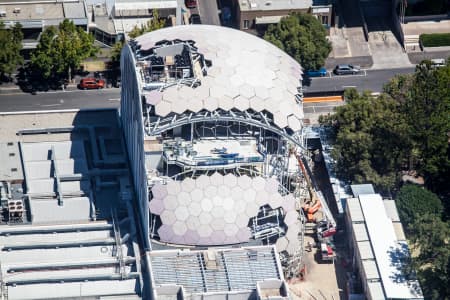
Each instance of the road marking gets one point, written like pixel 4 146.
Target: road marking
pixel 322 99
pixel 348 86
pixel 114 99
pixel 48 105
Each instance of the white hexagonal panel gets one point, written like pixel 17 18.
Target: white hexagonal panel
pixel 156 206
pixel 230 180
pixel 188 184
pixel 173 187
pixel 159 191
pixel 163 108
pixel 182 213
pixel 216 179
pixel 170 202
pixel 179 228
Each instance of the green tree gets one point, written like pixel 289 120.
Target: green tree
pixel 371 140
pixel 424 99
pixel 414 201
pixel 431 255
pixel 154 23
pixel 11 41
pixel 428 113
pixel 116 51
pixel 61 50
pixel 303 37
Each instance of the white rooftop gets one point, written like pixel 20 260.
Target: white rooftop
pixel 267 5
pixel 388 251
pixel 247 73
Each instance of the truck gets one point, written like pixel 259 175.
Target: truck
pixel 326 253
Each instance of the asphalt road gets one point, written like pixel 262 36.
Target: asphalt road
pixel 76 99
pixel 109 98
pixel 372 80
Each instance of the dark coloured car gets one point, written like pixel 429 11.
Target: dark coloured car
pixel 346 69
pixel 195 19
pixel 190 3
pixel 316 73
pixel 91 83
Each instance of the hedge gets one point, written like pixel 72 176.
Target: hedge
pixel 435 39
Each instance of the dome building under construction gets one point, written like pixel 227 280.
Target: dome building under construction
pixel 213 125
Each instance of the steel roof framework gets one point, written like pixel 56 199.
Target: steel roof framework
pixel 157 125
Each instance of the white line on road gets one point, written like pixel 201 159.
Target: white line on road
pixel 114 99
pixel 48 105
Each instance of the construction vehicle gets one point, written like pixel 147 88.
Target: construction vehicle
pixel 326 252
pixel 327 226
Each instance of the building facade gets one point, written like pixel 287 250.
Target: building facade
pixel 254 16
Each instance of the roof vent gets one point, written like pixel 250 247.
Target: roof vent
pixel 2 13
pixel 268 3
pixel 16 10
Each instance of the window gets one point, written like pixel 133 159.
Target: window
pixel 246 24
pixel 325 20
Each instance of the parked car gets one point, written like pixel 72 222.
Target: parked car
pixel 195 19
pixel 316 73
pixel 91 83
pixel 190 3
pixel 437 62
pixel 346 69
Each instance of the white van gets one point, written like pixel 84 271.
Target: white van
pixel 437 62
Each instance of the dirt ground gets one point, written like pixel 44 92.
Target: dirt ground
pixel 323 280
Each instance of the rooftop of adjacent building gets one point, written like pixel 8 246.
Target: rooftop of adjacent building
pixel 65 228
pixel 269 5
pixel 43 11
pixel 381 245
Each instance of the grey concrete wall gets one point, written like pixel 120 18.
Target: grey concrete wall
pixel 131 117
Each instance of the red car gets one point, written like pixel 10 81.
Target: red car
pixel 190 3
pixel 91 83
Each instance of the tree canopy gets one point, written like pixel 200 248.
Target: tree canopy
pixel 11 41
pixel 303 37
pixel 61 50
pixel 404 129
pixel 414 201
pixel 432 255
pixel 154 24
pixel 425 102
pixel 371 140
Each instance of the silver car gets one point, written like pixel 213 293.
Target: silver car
pixel 346 69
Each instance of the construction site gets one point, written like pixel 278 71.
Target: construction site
pixel 219 156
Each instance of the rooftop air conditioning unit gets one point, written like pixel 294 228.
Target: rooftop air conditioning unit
pixel 253 4
pixel 16 10
pixel 2 13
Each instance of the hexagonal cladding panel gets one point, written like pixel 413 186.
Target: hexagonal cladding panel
pixel 217 209
pixel 243 66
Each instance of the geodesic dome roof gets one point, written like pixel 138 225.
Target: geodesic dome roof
pixel 216 209
pixel 247 73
